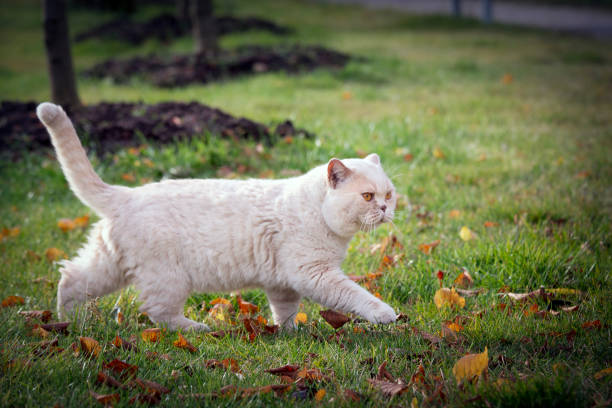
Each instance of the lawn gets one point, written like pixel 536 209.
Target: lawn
pixel 504 131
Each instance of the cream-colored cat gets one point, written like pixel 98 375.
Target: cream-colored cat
pixel 169 239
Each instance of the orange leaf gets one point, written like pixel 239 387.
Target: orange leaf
pixel 66 224
pixel 319 395
pixel 90 346
pixel 184 344
pixel 81 221
pixel 247 307
pixel 301 318
pixel 428 248
pixel 448 297
pixel 507 79
pixel 121 367
pixel 594 324
pixel 129 177
pixel 346 95
pixel 12 301
pixel 221 301
pixel 454 213
pixel 490 224
pixel 231 364
pixel 464 280
pixel 151 335
pixel 53 254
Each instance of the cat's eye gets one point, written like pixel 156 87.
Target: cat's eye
pixel 389 195
pixel 367 196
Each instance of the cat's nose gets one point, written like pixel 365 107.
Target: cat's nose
pixel 383 207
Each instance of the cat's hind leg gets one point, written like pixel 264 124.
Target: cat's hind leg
pixel 284 304
pixel 92 273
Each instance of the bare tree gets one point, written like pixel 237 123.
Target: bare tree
pixel 203 26
pixel 59 59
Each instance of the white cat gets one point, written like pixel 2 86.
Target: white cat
pixel 169 239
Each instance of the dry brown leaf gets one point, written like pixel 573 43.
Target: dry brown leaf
pixel 247 308
pixel 230 363
pixel 389 388
pixel 182 342
pixel 38 331
pixel 352 395
pixel 335 319
pixel 109 380
pixel 471 366
pixel 124 344
pixel 288 370
pixel 152 335
pixel 42 315
pixel 594 324
pixel 470 292
pixel 90 347
pixel 105 399
pixel 13 301
pixel 150 387
pixel 383 374
pixel 603 373
pixel 60 327
pixel 121 367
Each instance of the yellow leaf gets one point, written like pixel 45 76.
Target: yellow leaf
pixel 39 332
pixel 301 318
pixel 466 234
pixel 601 374
pixel 448 297
pixel 470 366
pixel 414 403
pixel 90 346
pixel 437 153
pixel 564 292
pixel 151 335
pixel 320 394
pixel 66 224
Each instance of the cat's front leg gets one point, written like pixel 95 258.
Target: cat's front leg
pixel 284 303
pixel 333 289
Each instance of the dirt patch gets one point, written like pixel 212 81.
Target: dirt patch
pixel 187 69
pixel 165 27
pixel 106 127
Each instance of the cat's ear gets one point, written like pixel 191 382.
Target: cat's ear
pixel 337 172
pixel 373 157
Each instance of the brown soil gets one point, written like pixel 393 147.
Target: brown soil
pixel 106 127
pixel 187 69
pixel 166 27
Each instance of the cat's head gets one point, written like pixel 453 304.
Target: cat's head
pixel 359 195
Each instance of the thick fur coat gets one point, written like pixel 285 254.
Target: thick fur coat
pixel 169 239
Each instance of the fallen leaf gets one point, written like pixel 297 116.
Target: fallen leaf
pixel 13 301
pixel 490 224
pixel 383 373
pixel 129 177
pixel 454 213
pixel 602 373
pixel 288 370
pixel 121 367
pixel 470 292
pixel 60 327
pixel 151 387
pixel 346 95
pixel 90 347
pixel 9 232
pixel 34 257
pixel 352 395
pixel 470 366
pixel 38 331
pixel 319 395
pixel 53 254
pixel 42 315
pixel 152 335
pixel 109 380
pixel 182 342
pixel 389 388
pixel 247 308
pixel 564 292
pixel 437 153
pixel 81 221
pixel 222 311
pixel 230 363
pixel 507 79
pixel 464 280
pixel 594 324
pixel 448 297
pixel 149 399
pixel 335 319
pixel 301 318
pixel 466 234
pixel 66 224
pixel 105 399
pixel 123 344
pixel 428 248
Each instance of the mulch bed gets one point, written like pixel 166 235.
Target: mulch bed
pixel 167 26
pixel 106 127
pixel 182 70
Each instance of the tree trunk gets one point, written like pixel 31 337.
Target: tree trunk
pixel 202 22
pixel 59 59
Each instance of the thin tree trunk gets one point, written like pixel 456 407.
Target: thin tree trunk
pixel 59 59
pixel 204 33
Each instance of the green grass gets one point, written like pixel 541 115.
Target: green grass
pixel 522 154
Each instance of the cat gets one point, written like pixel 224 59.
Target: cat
pixel 171 238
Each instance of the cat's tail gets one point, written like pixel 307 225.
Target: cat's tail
pixel 82 178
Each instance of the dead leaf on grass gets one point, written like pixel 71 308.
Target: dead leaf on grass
pixel 389 388
pixel 152 335
pixel 471 366
pixel 42 315
pixel 448 297
pixel 464 280
pixel 335 319
pixel 182 342
pixel 121 368
pixel 427 249
pixel 90 347
pixel 109 380
pixel 105 399
pixel 13 300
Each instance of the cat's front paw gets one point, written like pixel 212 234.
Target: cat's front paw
pixel 382 313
